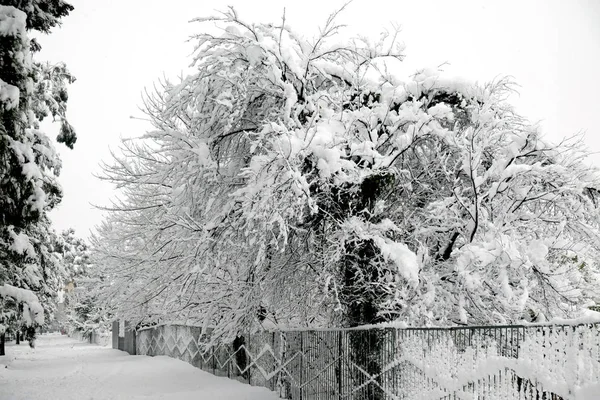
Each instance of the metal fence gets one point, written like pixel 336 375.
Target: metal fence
pixel 501 362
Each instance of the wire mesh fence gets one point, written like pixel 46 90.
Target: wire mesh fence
pixel 494 362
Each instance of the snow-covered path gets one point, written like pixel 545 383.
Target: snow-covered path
pixel 63 368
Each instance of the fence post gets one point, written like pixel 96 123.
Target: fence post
pixel 229 359
pixel 134 340
pixel 248 359
pixel 115 335
pixel 301 385
pixel 129 339
pixel 212 354
pixel 274 361
pixel 340 353
pixel 201 347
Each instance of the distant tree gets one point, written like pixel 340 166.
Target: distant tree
pixel 303 182
pixel 80 304
pixel 29 165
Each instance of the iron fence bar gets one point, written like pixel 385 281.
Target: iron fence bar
pixel 301 365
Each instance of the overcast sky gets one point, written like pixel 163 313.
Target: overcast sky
pixel 116 48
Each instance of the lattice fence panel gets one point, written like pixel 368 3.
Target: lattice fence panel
pixel 504 363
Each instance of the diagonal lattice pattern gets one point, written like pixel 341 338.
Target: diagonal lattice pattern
pixel 511 362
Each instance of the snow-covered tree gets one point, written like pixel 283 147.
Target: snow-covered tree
pixel 81 308
pixel 33 276
pixel 29 165
pixel 303 182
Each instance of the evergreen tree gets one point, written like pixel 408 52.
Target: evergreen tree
pixel 82 309
pixel 29 165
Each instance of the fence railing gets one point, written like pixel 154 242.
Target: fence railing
pixel 503 362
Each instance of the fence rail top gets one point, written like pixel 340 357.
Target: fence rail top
pixel 434 328
pixel 400 328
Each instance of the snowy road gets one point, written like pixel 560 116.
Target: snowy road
pixel 63 368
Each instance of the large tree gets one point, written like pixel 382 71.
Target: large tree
pixel 304 182
pixel 29 165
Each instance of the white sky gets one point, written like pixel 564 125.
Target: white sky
pixel 116 48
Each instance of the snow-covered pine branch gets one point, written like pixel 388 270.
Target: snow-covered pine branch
pixel 33 311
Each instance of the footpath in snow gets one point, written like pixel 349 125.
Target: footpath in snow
pixel 63 368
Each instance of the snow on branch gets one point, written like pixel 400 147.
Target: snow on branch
pixel 281 164
pixel 33 312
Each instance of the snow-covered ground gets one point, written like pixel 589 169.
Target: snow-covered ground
pixel 63 368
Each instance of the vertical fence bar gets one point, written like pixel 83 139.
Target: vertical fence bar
pixel 273 378
pixel 249 360
pixel 339 363
pixel 302 355
pixel 212 357
pixel 228 362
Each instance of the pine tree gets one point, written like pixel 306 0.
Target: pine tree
pixel 82 311
pixel 29 165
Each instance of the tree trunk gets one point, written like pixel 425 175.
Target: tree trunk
pixel 30 335
pixel 2 337
pixel 366 346
pixel 18 337
pixel 240 356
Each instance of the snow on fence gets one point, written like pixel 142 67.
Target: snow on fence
pixel 491 362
